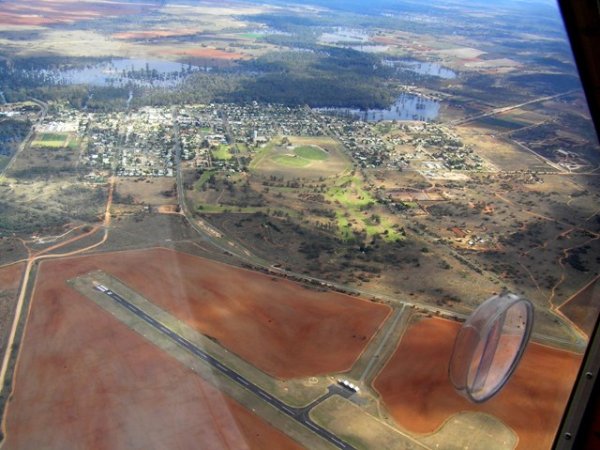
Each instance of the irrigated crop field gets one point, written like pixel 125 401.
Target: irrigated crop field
pixel 415 388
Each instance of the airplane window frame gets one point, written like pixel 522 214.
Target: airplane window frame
pixel 582 24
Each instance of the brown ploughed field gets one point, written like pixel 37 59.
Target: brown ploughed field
pixel 85 380
pixel 280 326
pixel 47 12
pixel 415 388
pixel 582 308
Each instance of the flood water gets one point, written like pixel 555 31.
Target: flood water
pixel 424 68
pixel 341 34
pixel 121 72
pixel 370 48
pixel 406 107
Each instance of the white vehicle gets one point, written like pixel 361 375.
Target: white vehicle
pixel 350 386
pixel 101 288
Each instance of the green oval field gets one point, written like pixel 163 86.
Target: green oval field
pixel 301 156
pixel 291 161
pixel 311 152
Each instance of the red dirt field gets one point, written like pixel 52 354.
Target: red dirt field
pixel 48 12
pixel 85 380
pixel 208 53
pixel 582 308
pixel 281 327
pixel 168 209
pixel 415 388
pixel 10 276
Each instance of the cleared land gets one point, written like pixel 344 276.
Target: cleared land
pixel 149 191
pixel 504 155
pixel 582 308
pixel 85 377
pixel 279 326
pixel 415 388
pixel 58 152
pixel 364 430
pixel 360 429
pixel 10 279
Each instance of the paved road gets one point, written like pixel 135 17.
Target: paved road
pixel 298 414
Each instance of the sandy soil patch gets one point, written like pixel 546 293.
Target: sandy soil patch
pixel 169 209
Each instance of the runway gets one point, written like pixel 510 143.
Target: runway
pixel 299 414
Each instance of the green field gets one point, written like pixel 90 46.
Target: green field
pixel 311 152
pixel 251 35
pixel 309 157
pixel 291 161
pixel 302 156
pixel 349 192
pixel 52 136
pixel 223 152
pixel 50 140
pixel 355 205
